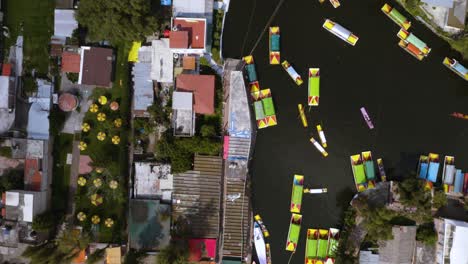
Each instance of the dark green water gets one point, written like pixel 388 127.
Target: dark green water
pixel 408 100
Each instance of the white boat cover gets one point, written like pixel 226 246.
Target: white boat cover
pixel 259 244
pixel 341 31
pixel 449 174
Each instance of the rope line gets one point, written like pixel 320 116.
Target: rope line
pixel 248 26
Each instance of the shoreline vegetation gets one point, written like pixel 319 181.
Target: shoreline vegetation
pixel 458 42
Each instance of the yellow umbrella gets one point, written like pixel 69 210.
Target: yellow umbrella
pixel 97 183
pixel 114 106
pixel 99 170
pixel 95 219
pixel 101 117
pixel 81 216
pixel 96 199
pixel 93 108
pixel 116 140
pixel 101 136
pixel 109 222
pixel 81 181
pixel 118 122
pixel 113 184
pixel 102 100
pixel 82 146
pixel 85 127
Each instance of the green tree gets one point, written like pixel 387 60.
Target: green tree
pixel 378 224
pixel 72 77
pixel 439 200
pixel 71 242
pixel 426 233
pixel 116 20
pixel 12 179
pixel 208 131
pixel 175 253
pixel 44 221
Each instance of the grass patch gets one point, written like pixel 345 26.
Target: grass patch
pixel 217 28
pixel 63 144
pixel 5 152
pixel 37 21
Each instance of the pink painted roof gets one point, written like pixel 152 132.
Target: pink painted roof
pixel 85 168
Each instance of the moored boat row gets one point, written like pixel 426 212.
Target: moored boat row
pixel 321 245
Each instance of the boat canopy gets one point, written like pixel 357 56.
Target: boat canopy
pixel 433 171
pixel 460 68
pixel 449 174
pixel 275 42
pixel 398 16
pixel 252 74
pixel 341 31
pixel 416 41
pixel 359 173
pixel 259 114
pixel 292 72
pixel 370 170
pixel 311 245
pixel 423 170
pixel 322 244
pixel 268 107
pixel 458 185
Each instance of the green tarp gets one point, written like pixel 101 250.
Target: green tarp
pixel 312 248
pixel 332 247
pixel 314 83
pixel 398 16
pixel 359 174
pixel 268 106
pixel 322 248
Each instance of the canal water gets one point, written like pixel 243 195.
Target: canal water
pixel 409 102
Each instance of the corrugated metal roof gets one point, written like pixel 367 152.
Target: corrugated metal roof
pixel 401 248
pixel 143 94
pixel 197 196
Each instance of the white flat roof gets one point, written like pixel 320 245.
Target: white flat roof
pixel 12 198
pixel 459 252
pixel 189 6
pixel 152 179
pixel 182 101
pixel 162 61
pixel 28 207
pixel 4 86
pixel 64 22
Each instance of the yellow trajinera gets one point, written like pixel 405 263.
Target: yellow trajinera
pixel 118 122
pixel 93 108
pixel 109 222
pixel 101 136
pixel 101 117
pixel 81 181
pixel 81 216
pixel 85 127
pixel 116 140
pixel 113 184
pixel 96 199
pixel 82 146
pixel 95 219
pixel 97 182
pixel 99 170
pixel 102 100
pixel 114 106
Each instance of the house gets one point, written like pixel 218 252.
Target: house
pixel 400 249
pixel 153 181
pixel 452 241
pixel 38 116
pixel 202 87
pixel 64 23
pixel 23 206
pixel 96 66
pixel 71 62
pixel 143 92
pixel 188 35
pixel 450 15
pixel 149 225
pixel 183 116
pixel 368 257
pixel 162 61
pixel 7 92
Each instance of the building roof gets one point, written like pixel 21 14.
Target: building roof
pixel 71 62
pixel 113 255
pixel 143 93
pixel 4 88
pixel 183 116
pixel 455 239
pixel 96 66
pixel 38 116
pixel 457 15
pixel 189 62
pixel 162 63
pixel 67 102
pixel 24 205
pixel 196 30
pixel 368 257
pixel 85 166
pixel 196 197
pixel 153 180
pixel 199 245
pixel 179 39
pixel 239 119
pixel 202 87
pixel 441 3
pixel 64 22
pixel 6 69
pixel 149 224
pixel 182 100
pixel 190 7
pixel 32 175
pixel 400 249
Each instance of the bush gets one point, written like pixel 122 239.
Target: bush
pixel 44 221
pixel 72 77
pixel 427 234
pixel 208 131
pixel 439 200
pixel 11 180
pixel 5 152
pixel 29 84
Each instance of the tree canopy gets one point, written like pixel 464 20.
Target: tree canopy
pixel 116 20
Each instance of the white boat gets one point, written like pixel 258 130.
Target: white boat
pixel 259 242
pixel 316 191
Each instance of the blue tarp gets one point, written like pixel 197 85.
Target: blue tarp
pixel 166 2
pixel 275 42
pixel 423 171
pixel 370 171
pixel 433 171
pixel 460 68
pixel 458 186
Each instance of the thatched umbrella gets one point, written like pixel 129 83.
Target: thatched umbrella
pixel 99 170
pixel 95 219
pixel 114 106
pixel 101 117
pixel 97 182
pixel 102 100
pixel 85 127
pixel 96 199
pixel 93 108
pixel 118 122
pixel 109 222
pixel 82 146
pixel 81 216
pixel 101 136
pixel 113 184
pixel 81 181
pixel 115 140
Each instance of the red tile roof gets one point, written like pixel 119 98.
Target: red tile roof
pixel 67 102
pixel 202 87
pixel 32 175
pixel 6 69
pixel 178 40
pixel 71 62
pixel 196 29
